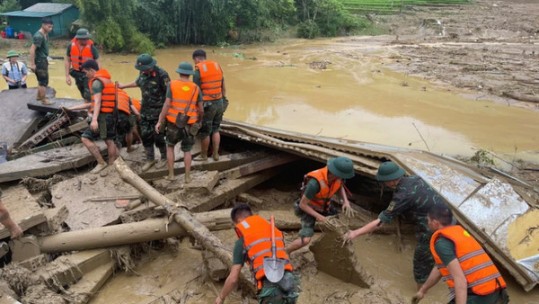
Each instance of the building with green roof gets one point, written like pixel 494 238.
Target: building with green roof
pixel 29 19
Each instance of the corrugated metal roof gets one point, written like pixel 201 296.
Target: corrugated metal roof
pixel 52 8
pixel 27 14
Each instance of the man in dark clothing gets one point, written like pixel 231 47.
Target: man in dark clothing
pixel 38 62
pixel 412 197
pixel 153 82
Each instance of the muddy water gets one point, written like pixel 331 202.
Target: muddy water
pixel 355 97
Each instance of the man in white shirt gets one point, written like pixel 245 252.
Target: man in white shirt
pixel 14 72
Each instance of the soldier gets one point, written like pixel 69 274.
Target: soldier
pixel 254 244
pixel 39 53
pixel 80 49
pixel 411 196
pixel 209 77
pixel 153 82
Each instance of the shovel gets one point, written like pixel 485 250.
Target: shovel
pixel 273 267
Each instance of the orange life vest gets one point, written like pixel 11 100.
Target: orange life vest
pixel 320 202
pixel 80 54
pixel 211 80
pixel 136 103
pixel 256 233
pixel 482 276
pixel 183 93
pixel 108 95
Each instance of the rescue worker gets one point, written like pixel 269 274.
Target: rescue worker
pixel 14 72
pixel 153 82
pixel 253 245
pixel 80 49
pixel 460 260
pixel 110 114
pixel 182 108
pixel 318 188
pixel 38 62
pixel 209 77
pixel 411 196
pixel 7 221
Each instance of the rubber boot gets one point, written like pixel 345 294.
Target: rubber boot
pixel 215 153
pixel 150 159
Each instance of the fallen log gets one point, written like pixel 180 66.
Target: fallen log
pixel 521 97
pixel 183 217
pixel 131 233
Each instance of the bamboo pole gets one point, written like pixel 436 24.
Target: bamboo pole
pixel 183 217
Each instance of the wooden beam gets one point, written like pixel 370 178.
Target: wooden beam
pixel 270 161
pixel 79 126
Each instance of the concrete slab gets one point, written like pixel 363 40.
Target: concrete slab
pixel 337 260
pixel 6 299
pixel 16 121
pixel 205 180
pixel 23 209
pixel 69 269
pixel 24 248
pixel 84 213
pixel 48 162
pixel 91 283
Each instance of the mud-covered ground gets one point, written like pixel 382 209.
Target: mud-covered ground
pixel 490 47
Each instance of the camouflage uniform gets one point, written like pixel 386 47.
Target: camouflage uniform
pixel 414 197
pixel 153 87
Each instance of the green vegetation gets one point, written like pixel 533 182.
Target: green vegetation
pixel 392 6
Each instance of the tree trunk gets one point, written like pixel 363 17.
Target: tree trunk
pixel 183 217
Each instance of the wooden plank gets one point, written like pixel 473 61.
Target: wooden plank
pixel 79 126
pixel 23 209
pixel 44 132
pixel 259 165
pixel 48 162
pixel 228 190
pixel 52 145
pixel 91 283
pixel 225 162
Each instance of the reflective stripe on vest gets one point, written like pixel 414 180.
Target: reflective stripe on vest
pixel 211 80
pixel 320 202
pixel 183 93
pixel 481 274
pixel 79 55
pixel 108 95
pixel 256 234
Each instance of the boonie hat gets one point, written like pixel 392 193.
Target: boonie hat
pixel 185 68
pixel 389 171
pixel 342 167
pixel 82 33
pixel 145 62
pixel 12 53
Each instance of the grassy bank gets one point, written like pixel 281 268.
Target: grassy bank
pixel 393 6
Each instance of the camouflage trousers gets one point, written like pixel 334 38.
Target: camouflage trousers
pixel 149 137
pixel 423 261
pixel 285 291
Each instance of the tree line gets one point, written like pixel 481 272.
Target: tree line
pixel 142 25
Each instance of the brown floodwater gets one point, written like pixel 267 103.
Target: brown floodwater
pixel 355 97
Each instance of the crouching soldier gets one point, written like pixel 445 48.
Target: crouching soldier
pixel 110 112
pixel 253 246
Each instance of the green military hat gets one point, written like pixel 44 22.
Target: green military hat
pixel 389 171
pixel 82 33
pixel 12 53
pixel 145 62
pixel 185 68
pixel 342 167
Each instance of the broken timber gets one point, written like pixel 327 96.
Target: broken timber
pixel 79 126
pixel 48 162
pixel 43 133
pixel 183 217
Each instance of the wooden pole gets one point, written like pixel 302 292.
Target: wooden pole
pixel 183 217
pixel 131 233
